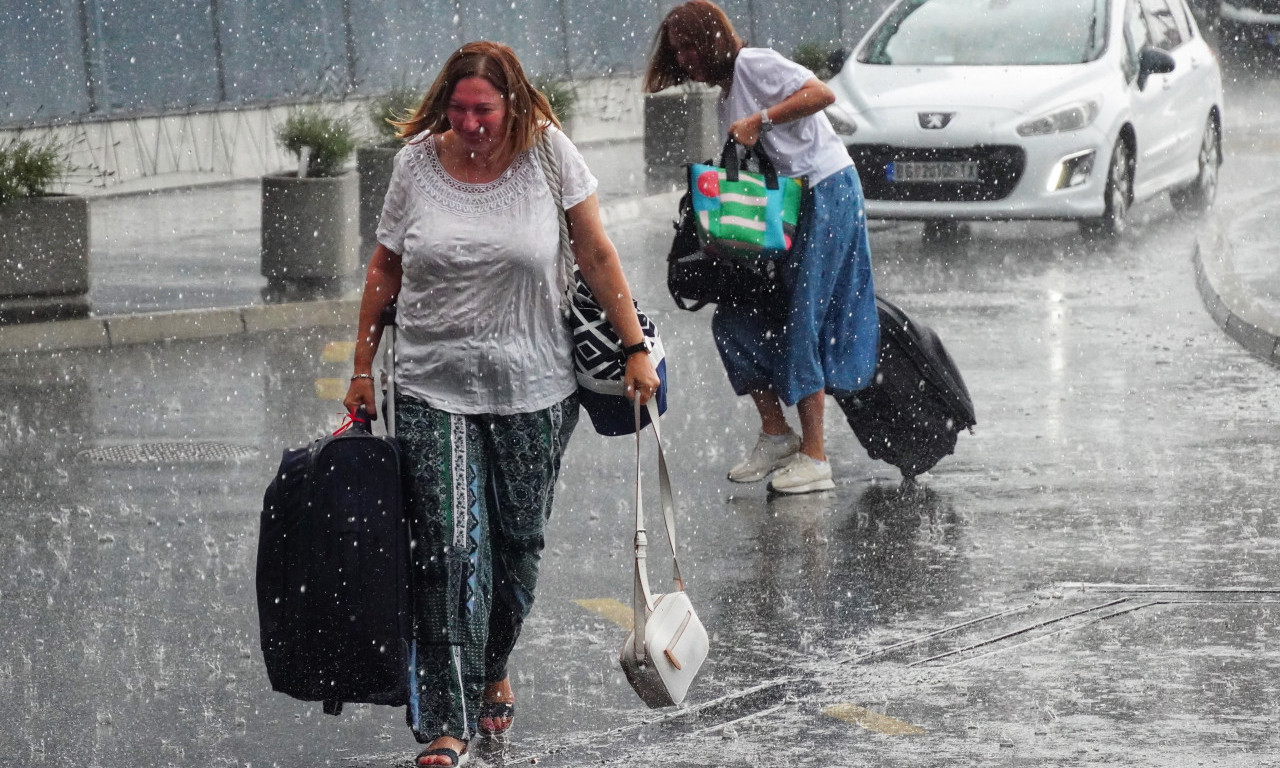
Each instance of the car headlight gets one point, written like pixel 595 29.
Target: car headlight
pixel 841 120
pixel 1069 118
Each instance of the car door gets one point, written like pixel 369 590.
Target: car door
pixel 1148 103
pixel 1168 100
pixel 1198 86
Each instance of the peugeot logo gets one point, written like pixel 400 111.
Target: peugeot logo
pixel 935 120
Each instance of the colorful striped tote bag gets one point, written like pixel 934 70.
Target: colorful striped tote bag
pixel 745 214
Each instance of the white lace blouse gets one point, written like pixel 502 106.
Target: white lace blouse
pixel 480 326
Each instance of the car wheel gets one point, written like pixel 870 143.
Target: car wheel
pixel 1198 196
pixel 1114 222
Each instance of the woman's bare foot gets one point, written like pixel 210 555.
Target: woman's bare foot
pixel 499 708
pixel 458 746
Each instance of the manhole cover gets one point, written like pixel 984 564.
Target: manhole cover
pixel 177 452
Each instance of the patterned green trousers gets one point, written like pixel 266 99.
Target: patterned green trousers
pixel 479 494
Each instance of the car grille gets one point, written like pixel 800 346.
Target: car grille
pixel 999 169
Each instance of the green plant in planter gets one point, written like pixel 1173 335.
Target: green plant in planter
pixel 815 57
pixel 562 95
pixel 329 136
pixel 31 168
pixel 397 103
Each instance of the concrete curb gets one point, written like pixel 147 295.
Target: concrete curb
pixel 177 325
pixel 195 324
pixel 1223 293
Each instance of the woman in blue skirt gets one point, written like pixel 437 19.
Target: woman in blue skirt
pixel 827 336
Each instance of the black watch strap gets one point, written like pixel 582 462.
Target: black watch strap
pixel 639 346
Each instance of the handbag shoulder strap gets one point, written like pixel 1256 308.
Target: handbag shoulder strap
pixel 551 170
pixel 641 595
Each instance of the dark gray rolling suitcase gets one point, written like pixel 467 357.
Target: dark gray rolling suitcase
pixel 917 403
pixel 333 574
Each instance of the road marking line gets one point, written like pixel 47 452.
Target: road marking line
pixel 610 609
pixel 872 721
pixel 331 389
pixel 338 352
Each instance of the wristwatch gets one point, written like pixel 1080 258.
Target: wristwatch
pixel 766 124
pixel 639 346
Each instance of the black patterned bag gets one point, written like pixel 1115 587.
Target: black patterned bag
pixel 598 362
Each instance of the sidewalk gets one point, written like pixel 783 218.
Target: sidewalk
pixel 1238 274
pixel 182 262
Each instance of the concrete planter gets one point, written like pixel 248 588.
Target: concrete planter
pixel 310 236
pixel 374 164
pixel 680 126
pixel 44 258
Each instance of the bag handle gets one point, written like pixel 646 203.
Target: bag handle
pixel 641 597
pixel 732 164
pixel 551 170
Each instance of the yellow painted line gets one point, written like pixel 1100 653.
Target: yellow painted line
pixel 331 389
pixel 338 351
pixel 872 721
pixel 610 609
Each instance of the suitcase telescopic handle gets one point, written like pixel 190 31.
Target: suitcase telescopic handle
pixel 389 368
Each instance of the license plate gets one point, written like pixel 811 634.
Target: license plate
pixel 936 171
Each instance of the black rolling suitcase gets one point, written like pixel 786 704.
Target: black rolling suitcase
pixel 333 574
pixel 917 403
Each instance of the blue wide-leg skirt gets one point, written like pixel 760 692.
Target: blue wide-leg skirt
pixel 828 337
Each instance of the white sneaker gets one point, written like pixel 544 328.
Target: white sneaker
pixel 802 474
pixel 770 453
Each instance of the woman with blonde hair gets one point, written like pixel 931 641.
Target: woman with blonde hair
pixel 826 337
pixel 469 252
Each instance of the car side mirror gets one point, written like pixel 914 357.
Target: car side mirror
pixel 1153 62
pixel 836 60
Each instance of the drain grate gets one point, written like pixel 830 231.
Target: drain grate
pixel 174 452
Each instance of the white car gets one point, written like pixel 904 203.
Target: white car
pixel 1031 109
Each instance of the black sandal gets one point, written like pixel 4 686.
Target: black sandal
pixel 455 759
pixel 497 710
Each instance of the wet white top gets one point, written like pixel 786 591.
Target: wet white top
pixel 480 325
pixel 763 78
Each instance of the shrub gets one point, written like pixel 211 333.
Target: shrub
pixel 562 95
pixel 818 58
pixel 398 103
pixel 30 168
pixel 329 136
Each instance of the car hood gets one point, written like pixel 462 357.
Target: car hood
pixel 869 89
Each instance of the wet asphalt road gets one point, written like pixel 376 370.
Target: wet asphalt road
pixel 1092 579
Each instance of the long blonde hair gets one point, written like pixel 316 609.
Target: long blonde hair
pixel 528 110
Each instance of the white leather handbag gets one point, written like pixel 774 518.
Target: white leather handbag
pixel 668 642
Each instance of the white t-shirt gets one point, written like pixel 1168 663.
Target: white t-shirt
pixel 763 78
pixel 480 324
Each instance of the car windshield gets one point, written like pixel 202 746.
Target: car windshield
pixel 989 33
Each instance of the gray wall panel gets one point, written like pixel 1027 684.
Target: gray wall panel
pixel 152 55
pixel 611 38
pixel 531 27
pixel 403 41
pixel 280 49
pixel 42 67
pixel 147 56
